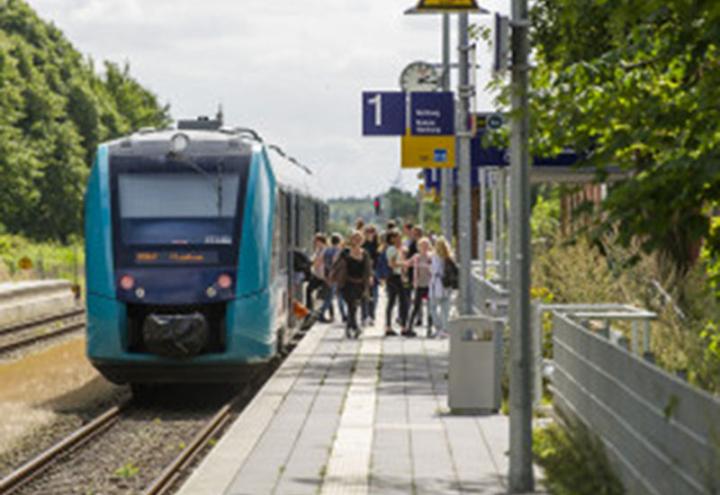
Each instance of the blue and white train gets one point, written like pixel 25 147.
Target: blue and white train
pixel 189 234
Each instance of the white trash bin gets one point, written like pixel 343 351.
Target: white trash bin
pixel 476 355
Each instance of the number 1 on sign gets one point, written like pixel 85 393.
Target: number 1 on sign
pixel 377 103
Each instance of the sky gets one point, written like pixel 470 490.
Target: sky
pixel 294 70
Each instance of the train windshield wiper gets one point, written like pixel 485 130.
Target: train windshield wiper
pixel 215 183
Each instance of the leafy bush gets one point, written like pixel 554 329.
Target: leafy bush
pixel 574 460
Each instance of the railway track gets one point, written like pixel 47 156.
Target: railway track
pixel 25 334
pixel 66 468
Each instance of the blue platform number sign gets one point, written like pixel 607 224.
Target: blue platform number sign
pixel 384 113
pixel 432 114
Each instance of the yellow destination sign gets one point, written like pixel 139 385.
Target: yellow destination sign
pixel 448 6
pixel 428 151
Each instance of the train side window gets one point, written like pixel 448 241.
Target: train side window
pixel 277 238
pixel 282 225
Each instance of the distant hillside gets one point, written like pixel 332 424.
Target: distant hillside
pixel 347 210
pixel 54 110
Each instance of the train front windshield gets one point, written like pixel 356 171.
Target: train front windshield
pixel 152 205
pixel 164 208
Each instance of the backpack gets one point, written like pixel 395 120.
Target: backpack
pixel 451 275
pixel 382 268
pixel 302 264
pixel 338 271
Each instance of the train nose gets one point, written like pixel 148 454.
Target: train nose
pixel 175 336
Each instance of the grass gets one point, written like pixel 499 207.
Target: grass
pixel 574 460
pixel 129 470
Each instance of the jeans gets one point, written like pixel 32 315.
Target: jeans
pixel 333 293
pixel 405 304
pixel 396 293
pixel 370 305
pixel 420 294
pixel 440 311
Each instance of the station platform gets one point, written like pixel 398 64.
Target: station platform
pixel 357 417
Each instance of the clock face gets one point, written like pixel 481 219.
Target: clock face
pixel 420 76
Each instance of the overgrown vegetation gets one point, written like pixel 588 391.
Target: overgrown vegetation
pixel 574 460
pixel 580 269
pixel 49 259
pixel 54 110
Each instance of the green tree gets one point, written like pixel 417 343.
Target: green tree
pixel 54 110
pixel 403 205
pixel 635 84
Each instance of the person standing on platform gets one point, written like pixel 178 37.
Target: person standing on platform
pixel 394 284
pixel 353 274
pixel 330 255
pixel 416 234
pixel 371 245
pixel 407 232
pixel 443 271
pixel 420 265
pixel 317 271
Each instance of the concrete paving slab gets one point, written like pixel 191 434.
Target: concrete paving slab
pixel 216 472
pixel 358 417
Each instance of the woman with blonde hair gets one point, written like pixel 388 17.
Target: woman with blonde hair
pixel 421 264
pixel 441 285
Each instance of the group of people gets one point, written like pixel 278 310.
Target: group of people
pixel 413 268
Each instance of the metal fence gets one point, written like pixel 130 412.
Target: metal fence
pixel 662 435
pixel 490 297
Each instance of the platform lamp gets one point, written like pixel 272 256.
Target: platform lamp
pixel 447 7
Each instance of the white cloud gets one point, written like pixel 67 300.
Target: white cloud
pixel 292 69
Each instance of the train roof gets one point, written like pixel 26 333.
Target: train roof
pixel 291 175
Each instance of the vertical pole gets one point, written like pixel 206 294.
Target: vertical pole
pixel 521 467
pixel 482 231
pixel 465 91
pixel 502 250
pixel 494 203
pixel 447 191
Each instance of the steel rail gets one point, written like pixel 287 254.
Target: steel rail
pixel 167 479
pixel 42 321
pixel 41 337
pixel 33 468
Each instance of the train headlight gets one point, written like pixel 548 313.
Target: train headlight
pixel 140 293
pixel 127 282
pixel 179 143
pixel 224 281
pixel 211 292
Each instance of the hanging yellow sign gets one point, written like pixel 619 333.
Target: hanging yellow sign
pixel 428 151
pixel 448 6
